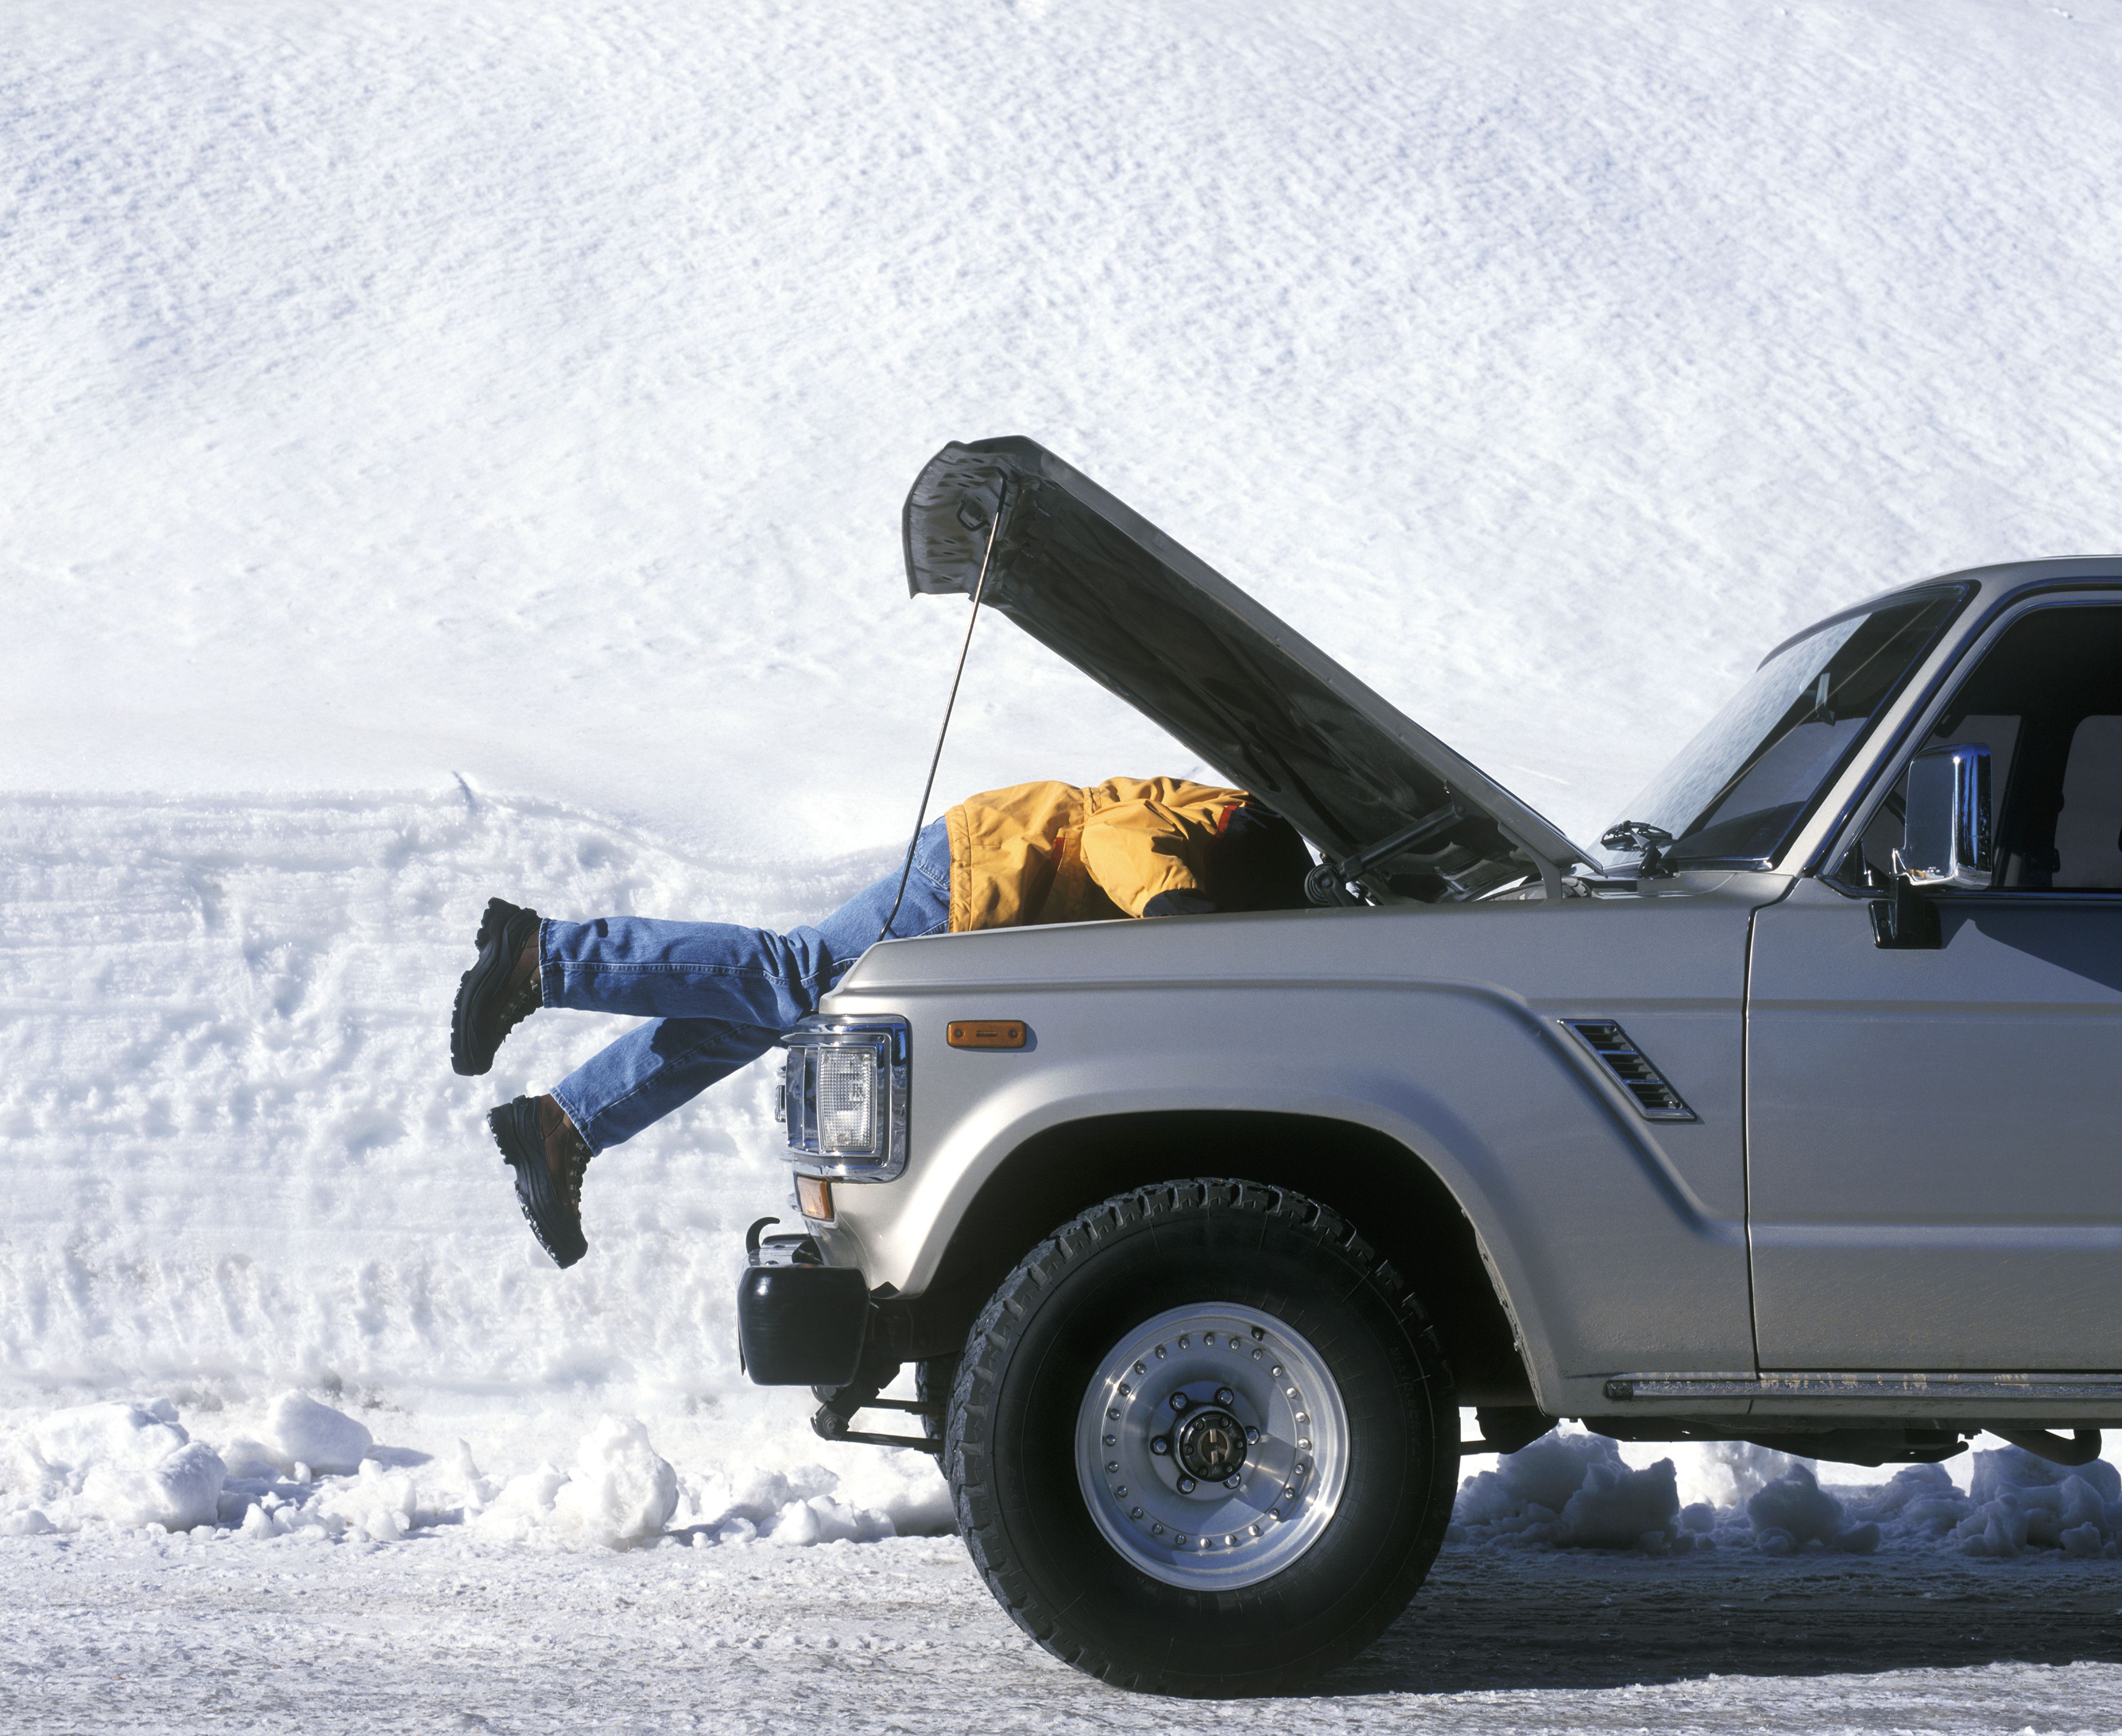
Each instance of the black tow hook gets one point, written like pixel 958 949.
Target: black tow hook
pixel 831 1420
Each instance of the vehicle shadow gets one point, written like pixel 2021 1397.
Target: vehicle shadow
pixel 1523 1620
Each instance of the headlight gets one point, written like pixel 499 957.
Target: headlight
pixel 844 1096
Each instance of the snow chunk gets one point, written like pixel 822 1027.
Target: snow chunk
pixel 1796 1505
pixel 1859 1539
pixel 807 1504
pixel 1572 1490
pixel 1545 1474
pixel 121 1463
pixel 1619 1508
pixel 822 1519
pixel 300 1431
pixel 2021 1502
pixel 2014 1471
pixel 1920 1503
pixel 620 1491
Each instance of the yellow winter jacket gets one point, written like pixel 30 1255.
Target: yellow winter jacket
pixel 1051 853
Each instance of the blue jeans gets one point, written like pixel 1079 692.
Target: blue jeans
pixel 716 995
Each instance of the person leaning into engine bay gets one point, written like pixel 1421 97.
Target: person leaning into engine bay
pixel 718 995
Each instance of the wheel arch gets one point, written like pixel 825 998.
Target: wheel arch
pixel 1394 1199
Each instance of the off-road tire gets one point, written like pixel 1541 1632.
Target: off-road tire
pixel 1030 1359
pixel 934 1381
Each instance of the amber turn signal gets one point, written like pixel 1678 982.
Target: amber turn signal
pixel 986 1033
pixel 814 1197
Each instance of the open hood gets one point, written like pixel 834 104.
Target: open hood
pixel 1100 584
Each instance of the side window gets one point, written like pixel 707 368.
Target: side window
pixel 2088 831
pixel 2046 698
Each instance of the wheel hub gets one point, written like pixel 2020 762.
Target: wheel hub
pixel 1212 1446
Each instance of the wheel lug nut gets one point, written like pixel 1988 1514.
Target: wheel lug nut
pixel 1185 1485
pixel 1224 1395
pixel 1252 1437
pixel 1160 1445
pixel 1179 1401
pixel 1231 1482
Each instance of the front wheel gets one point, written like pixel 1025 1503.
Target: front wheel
pixel 1202 1441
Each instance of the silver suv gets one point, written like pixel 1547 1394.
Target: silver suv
pixel 1791 1117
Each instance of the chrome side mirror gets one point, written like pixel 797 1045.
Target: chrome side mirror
pixel 1949 840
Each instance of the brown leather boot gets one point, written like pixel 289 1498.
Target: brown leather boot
pixel 549 1156
pixel 500 991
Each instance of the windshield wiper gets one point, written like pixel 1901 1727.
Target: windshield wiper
pixel 1642 836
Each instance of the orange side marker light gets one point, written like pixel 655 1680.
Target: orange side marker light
pixel 986 1033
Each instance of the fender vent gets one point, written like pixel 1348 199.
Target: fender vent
pixel 1631 1068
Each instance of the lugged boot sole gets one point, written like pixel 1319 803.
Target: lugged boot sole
pixel 554 1219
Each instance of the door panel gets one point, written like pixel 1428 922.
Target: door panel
pixel 1934 1156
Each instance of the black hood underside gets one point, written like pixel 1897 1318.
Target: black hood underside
pixel 1101 587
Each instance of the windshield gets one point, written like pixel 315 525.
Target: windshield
pixel 1737 791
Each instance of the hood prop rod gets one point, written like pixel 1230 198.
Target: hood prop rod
pixel 936 759
pixel 1332 878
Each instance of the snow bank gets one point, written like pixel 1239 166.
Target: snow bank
pixel 1574 1490
pixel 239 1159
pixel 129 1467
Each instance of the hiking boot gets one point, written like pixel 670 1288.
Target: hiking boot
pixel 539 1142
pixel 500 991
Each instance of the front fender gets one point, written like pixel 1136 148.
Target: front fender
pixel 1606 1237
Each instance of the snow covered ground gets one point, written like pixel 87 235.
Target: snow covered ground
pixel 456 448
pixel 172 1635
